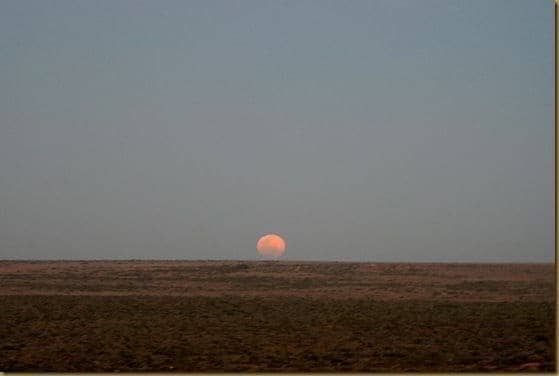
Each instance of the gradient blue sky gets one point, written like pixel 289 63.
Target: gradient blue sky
pixel 359 130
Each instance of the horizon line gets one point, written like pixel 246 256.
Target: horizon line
pixel 278 261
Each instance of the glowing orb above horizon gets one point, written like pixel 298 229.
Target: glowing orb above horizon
pixel 271 246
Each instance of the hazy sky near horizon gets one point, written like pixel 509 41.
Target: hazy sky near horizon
pixel 358 130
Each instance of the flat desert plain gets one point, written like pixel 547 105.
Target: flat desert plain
pixel 163 316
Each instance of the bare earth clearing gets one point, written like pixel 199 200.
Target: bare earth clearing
pixel 275 316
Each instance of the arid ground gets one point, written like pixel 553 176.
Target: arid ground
pixel 275 316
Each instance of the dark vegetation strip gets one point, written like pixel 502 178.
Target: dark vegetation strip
pixel 87 333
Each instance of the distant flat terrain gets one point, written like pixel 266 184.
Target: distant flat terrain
pixel 386 281
pixel 275 316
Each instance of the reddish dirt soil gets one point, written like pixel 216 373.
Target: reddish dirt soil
pixel 275 316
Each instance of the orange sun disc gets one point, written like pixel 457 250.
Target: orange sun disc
pixel 271 246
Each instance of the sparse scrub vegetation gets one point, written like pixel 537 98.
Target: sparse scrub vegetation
pixel 288 317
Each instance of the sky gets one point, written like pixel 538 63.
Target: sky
pixel 378 130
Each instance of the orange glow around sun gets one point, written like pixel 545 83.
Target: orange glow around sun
pixel 271 246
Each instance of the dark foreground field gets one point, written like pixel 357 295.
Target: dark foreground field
pixel 275 316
